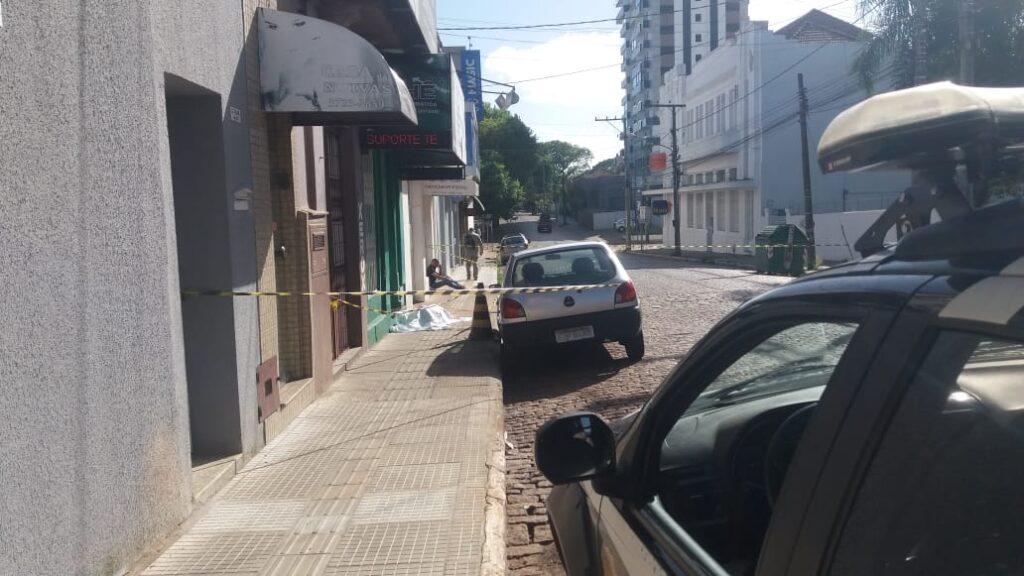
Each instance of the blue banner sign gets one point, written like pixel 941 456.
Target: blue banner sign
pixel 471 82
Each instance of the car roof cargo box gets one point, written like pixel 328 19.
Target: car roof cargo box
pixel 911 128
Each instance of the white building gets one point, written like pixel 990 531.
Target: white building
pixel 739 135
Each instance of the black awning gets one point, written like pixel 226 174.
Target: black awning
pixel 324 74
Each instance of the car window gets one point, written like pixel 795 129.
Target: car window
pixel 944 492
pixel 723 463
pixel 799 357
pixel 564 268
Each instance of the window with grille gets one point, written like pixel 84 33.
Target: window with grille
pixel 734 210
pixel 734 98
pixel 720 211
pixel 720 113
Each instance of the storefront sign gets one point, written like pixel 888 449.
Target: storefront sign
pixel 469 72
pixel 440 108
pixel 460 188
pixel 407 139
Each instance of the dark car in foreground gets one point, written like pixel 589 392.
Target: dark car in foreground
pixel 866 419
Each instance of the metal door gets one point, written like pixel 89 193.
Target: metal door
pixel 336 237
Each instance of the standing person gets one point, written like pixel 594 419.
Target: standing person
pixel 472 249
pixel 437 278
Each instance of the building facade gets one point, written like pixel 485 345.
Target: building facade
pixel 204 146
pixel 739 135
pixel 648 51
pixel 126 179
pixel 659 36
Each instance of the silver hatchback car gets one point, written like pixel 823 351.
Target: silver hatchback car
pixel 511 244
pixel 610 313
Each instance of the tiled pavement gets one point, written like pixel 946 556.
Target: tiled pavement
pixel 397 469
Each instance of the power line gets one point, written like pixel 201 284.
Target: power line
pixel 789 68
pixel 595 21
pixel 692 46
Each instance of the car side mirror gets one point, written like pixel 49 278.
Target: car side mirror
pixel 575 447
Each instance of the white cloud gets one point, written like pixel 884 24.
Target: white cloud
pixel 564 108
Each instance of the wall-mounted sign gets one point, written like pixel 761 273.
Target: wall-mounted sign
pixel 657 161
pixel 469 73
pixel 428 140
pixel 440 108
pixel 445 187
pixel 661 207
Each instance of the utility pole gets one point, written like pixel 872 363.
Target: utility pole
pixel 812 257
pixel 677 251
pixel 967 42
pixel 625 162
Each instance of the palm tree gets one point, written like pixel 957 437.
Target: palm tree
pixel 900 28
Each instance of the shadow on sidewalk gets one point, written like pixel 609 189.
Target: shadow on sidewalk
pixel 466 358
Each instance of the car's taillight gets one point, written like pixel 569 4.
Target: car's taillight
pixel 511 309
pixel 626 292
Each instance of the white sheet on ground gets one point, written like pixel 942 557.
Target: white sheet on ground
pixel 425 318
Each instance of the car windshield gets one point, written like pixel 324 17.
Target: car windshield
pixel 569 267
pixel 801 357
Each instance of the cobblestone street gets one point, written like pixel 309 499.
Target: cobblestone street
pixel 681 301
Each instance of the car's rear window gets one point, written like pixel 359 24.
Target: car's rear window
pixel 513 240
pixel 564 268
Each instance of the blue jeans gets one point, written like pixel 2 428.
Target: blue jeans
pixel 445 283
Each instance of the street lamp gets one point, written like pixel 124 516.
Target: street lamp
pixel 675 176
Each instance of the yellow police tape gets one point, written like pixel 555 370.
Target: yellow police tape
pixel 444 292
pixel 772 246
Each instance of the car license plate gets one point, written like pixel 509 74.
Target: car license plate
pixel 574 334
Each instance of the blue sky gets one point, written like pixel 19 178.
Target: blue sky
pixel 564 108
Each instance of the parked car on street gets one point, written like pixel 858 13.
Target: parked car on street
pixel 620 225
pixel 609 313
pixel 510 245
pixel 544 223
pixel 867 419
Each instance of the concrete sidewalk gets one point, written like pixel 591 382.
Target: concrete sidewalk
pixel 397 469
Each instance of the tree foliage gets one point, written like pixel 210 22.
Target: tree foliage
pixel 506 134
pixel 567 161
pixel 500 192
pixel 520 171
pixel 999 31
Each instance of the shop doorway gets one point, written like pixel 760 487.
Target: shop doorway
pixel 344 194
pixel 195 135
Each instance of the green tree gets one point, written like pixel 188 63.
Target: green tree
pixel 507 135
pixel 500 192
pixel 999 30
pixel 566 161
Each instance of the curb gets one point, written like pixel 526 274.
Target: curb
pixel 493 562
pixel 493 554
